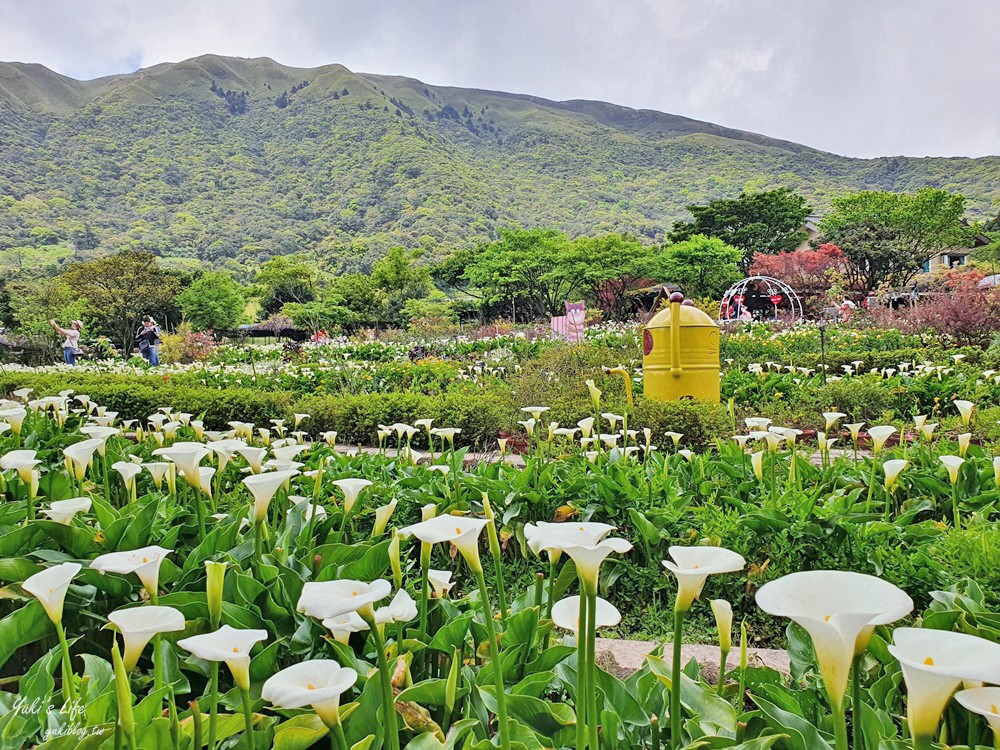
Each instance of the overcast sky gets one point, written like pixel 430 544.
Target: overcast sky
pixel 856 77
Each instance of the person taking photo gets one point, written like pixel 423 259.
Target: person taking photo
pixel 71 346
pixel 148 339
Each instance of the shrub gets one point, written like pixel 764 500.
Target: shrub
pixel 700 423
pixel 186 345
pixel 138 396
pixel 480 416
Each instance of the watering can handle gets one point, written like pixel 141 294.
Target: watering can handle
pixel 675 334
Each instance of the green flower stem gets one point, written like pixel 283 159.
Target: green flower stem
pixel 338 732
pixel 856 667
pixel 213 706
pixel 539 592
pixel 425 564
pixel 954 505
pixel 311 528
pixel 491 633
pixel 68 686
pixel 582 673
pixel 248 718
pixel 157 664
pixel 30 502
pixel 675 681
pixel 593 717
pixel 840 726
pixel 107 483
pixel 258 540
pixel 388 700
pixel 553 563
pixel 199 512
pixel 871 487
pixel 720 689
pixel 494 541
pixel 196 720
pixel 654 730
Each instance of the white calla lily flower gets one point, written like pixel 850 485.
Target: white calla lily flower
pixel 144 562
pixel 839 610
pixel 329 599
pixel 693 565
pixel 952 464
pixel 566 614
pixel 461 531
pixel 892 470
pixel 138 625
pixel 440 581
pixel 263 488
pixel 229 645
pixel 318 683
pixel 402 608
pixel 352 488
pixel 934 663
pixel 49 586
pixel 879 435
pixel 63 511
pixel 965 410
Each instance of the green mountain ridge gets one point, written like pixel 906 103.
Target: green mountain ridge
pixel 228 161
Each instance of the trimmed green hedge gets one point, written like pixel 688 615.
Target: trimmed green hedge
pixel 481 416
pixel 136 397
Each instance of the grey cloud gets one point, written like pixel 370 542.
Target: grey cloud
pixel 858 77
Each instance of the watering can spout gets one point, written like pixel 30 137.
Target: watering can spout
pixel 626 376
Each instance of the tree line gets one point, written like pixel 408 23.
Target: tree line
pixel 524 274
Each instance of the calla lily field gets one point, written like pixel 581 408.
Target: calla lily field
pixel 177 577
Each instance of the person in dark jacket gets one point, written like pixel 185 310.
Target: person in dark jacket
pixel 148 339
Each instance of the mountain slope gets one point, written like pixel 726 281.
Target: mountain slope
pixel 228 161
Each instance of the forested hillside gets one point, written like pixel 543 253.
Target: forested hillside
pixel 226 162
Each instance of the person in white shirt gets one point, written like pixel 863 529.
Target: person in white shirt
pixel 71 346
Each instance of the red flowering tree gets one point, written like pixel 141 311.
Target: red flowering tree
pixel 805 271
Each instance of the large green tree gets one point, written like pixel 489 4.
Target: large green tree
pixel 613 266
pixel 284 279
pixel 887 237
pixel 397 278
pixel 534 270
pixel 214 302
pixel 701 266
pixel 120 289
pixel 765 222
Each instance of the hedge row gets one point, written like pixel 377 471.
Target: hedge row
pixel 480 416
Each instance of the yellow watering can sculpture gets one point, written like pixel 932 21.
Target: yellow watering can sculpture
pixel 680 348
